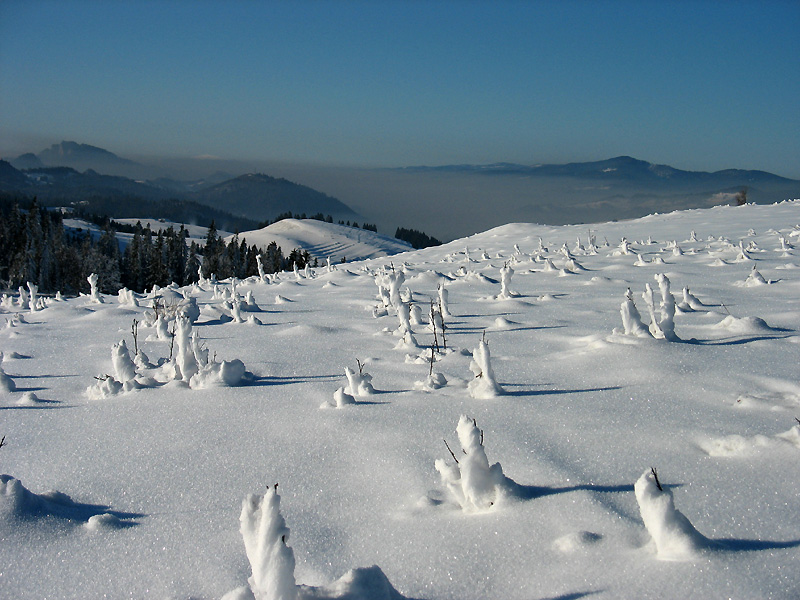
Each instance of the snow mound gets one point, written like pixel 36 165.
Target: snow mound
pixel 576 541
pixel 744 325
pixel 737 445
pixel 18 503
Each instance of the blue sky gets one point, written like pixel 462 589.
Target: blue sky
pixel 698 85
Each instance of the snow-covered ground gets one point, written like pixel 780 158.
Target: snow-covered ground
pixel 159 489
pixel 325 240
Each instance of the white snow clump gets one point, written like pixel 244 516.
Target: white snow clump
pixel 674 536
pixel 484 385
pixel 474 484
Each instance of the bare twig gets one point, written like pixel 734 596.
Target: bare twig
pixel 135 332
pixel 655 476
pixel 798 420
pixel 441 314
pixel 430 372
pixel 433 324
pixel 3 441
pixel 451 452
pixel 172 341
pixel 360 367
pixel 103 377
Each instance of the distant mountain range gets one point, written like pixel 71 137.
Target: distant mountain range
pixel 70 172
pixel 485 196
pixel 449 201
pixel 623 169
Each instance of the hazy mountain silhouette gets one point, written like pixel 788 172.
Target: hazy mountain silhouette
pixel 260 196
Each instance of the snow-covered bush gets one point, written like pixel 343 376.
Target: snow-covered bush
pixel 23 301
pixel 444 307
pixel 340 399
pixel 272 561
pixel 94 293
pixel 185 362
pixel 127 297
pixel 690 302
pixel 674 536
pixel 506 273
pixel 667 322
pixel 631 319
pixel 265 536
pixel 124 368
pixel 755 279
pixel 473 483
pixel 358 384
pixel 433 381
pixel 484 385
pixel 661 326
pixel 105 387
pixel 34 297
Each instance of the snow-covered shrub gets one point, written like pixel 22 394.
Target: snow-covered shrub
pixel 631 319
pixel 404 317
pixel 358 384
pixel 624 248
pixel 755 279
pixel 124 368
pixel 667 322
pixel 188 308
pixel 690 302
pixel 484 385
pixel 674 536
pixel 236 311
pixel 127 297
pixel 23 301
pixel 395 279
pixel 272 561
pixel 662 326
pixel 228 373
pixel 340 399
pixel 506 273
pixel 473 483
pixel 185 362
pixel 444 307
pixel 265 535
pixel 105 387
pixel 433 381
pixel 34 297
pixel 261 274
pixel 94 293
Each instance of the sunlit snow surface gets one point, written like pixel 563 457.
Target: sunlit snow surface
pixel 150 483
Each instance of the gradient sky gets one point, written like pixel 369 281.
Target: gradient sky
pixel 697 85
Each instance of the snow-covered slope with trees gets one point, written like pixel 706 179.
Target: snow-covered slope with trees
pixel 325 240
pixel 570 439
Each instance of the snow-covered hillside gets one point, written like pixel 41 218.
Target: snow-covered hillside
pixel 516 466
pixel 197 233
pixel 325 240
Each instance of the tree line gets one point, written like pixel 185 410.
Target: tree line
pixel 35 246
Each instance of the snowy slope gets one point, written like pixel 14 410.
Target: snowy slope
pixel 156 477
pixel 323 240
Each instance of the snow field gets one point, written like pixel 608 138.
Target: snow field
pixel 586 411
